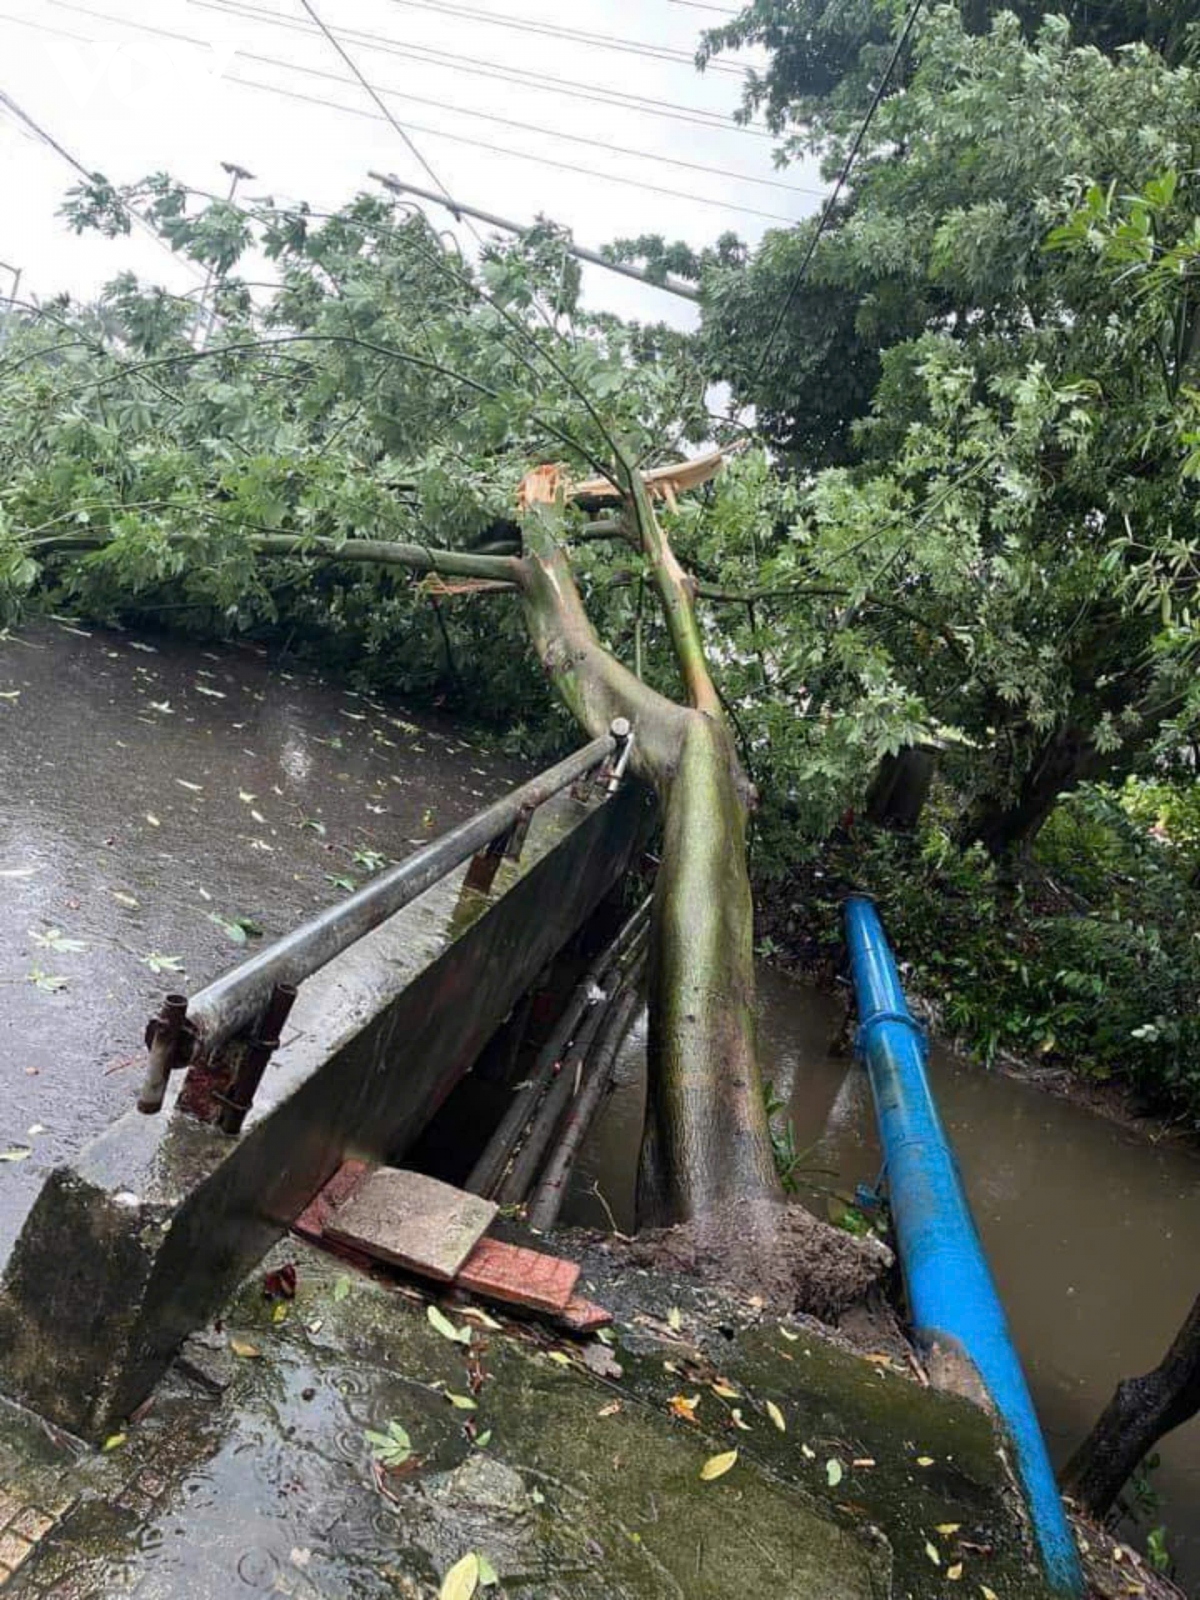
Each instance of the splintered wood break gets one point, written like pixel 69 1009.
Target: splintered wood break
pixel 412 1221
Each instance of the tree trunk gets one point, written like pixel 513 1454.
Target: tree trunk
pixel 1062 763
pixel 708 1122
pixel 1140 1412
pixel 900 788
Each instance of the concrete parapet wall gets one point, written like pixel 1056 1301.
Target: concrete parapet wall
pixel 141 1238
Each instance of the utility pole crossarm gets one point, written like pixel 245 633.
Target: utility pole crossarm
pixel 669 285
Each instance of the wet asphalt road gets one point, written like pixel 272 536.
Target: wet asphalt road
pixel 155 795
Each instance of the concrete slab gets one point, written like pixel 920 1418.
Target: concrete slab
pixel 412 1221
pixel 136 1242
pixel 519 1277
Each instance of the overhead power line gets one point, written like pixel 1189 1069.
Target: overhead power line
pixel 519 155
pixel 377 100
pixel 440 105
pixel 602 41
pixel 45 137
pixel 473 66
pixel 843 175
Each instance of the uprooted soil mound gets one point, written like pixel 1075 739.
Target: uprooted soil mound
pixel 778 1251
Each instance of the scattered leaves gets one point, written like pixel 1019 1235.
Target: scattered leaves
pixel 683 1407
pixel 124 899
pixel 461 1402
pixel 718 1466
pixel 55 939
pixel 924 1461
pixel 16 1152
pixel 440 1322
pixel 49 982
pixel 115 1441
pixel 931 1550
pixel 723 1389
pixel 461 1582
pixel 674 1319
pixel 833 1472
pixel 153 820
pixel 955 1572
pixel 483 1439
pixel 159 963
pixel 559 1357
pixel 243 1348
pixel 776 1416
pixel 947 1528
pixel 391 1448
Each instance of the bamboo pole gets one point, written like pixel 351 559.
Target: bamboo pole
pixel 542 1210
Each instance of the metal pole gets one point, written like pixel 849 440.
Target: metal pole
pixel 669 284
pixel 951 1294
pixel 236 999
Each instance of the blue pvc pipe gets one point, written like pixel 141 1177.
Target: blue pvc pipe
pixel 951 1294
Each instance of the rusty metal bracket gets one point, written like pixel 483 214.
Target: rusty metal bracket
pixel 249 1072
pixel 165 1034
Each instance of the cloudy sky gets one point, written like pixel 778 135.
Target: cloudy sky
pixel 590 114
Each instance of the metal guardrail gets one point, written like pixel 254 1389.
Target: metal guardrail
pixel 253 998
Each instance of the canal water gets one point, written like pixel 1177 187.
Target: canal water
pixel 164 808
pixel 1093 1232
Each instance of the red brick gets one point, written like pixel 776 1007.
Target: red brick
pixel 32 1524
pixel 13 1550
pixel 518 1276
pixel 582 1316
pixel 311 1221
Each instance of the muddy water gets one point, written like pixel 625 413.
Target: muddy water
pixel 151 794
pixel 1093 1233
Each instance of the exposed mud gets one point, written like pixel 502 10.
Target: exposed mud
pixel 781 1253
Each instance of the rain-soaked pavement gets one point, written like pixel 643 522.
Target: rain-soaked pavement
pixel 157 800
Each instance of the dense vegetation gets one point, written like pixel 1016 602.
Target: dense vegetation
pixel 968 522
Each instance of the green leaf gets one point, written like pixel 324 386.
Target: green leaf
pixel 442 1324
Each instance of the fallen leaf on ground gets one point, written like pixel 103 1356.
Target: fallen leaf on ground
pixel 609 1410
pixel 674 1320
pixel 341 1288
pixel 243 1348
pixel 559 1358
pixel 683 1407
pixel 833 1472
pixel 461 1402
pixel 955 1572
pixel 863 1461
pixel 924 1461
pixel 718 1466
pixel 115 1441
pixel 726 1393
pixel 947 1528
pixel 441 1323
pixel 461 1582
pixel 776 1416
pixel 931 1550
pixel 15 1153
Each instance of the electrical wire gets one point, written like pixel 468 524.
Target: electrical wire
pixel 843 175
pixel 603 41
pixel 48 139
pixel 472 66
pixel 388 117
pixel 439 105
pixel 520 155
pixel 543 82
